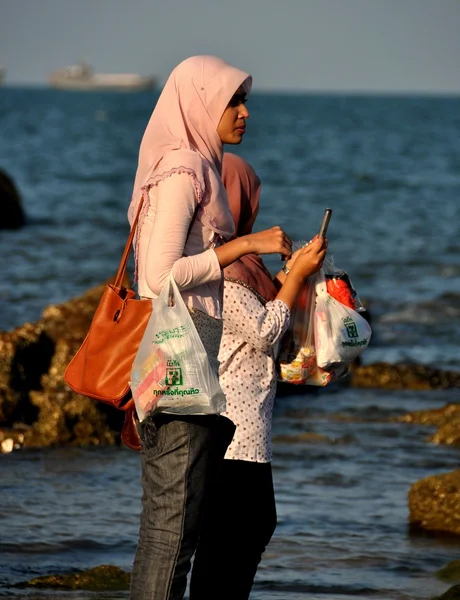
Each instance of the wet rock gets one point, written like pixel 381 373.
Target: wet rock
pixel 37 408
pixel 403 377
pixel 452 594
pixel 11 439
pixel 434 504
pixel 384 376
pixel 446 419
pixel 450 573
pixel 104 577
pixel 7 445
pixel 303 438
pixel 12 214
pixel 21 366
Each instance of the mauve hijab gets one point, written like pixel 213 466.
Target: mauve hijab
pixel 243 190
pixel 181 137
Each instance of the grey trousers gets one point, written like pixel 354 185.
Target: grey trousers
pixel 180 456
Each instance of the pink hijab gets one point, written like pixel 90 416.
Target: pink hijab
pixel 243 189
pixel 181 137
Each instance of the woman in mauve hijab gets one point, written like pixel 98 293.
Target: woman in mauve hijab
pixel 241 517
pixel 184 227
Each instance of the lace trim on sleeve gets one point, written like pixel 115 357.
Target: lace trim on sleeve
pixel 154 181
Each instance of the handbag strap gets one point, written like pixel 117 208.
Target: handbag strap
pixel 320 282
pixel 120 276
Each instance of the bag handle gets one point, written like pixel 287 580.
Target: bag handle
pixel 320 282
pixel 124 259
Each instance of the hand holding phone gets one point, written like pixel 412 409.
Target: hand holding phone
pixel 325 222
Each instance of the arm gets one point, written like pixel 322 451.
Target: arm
pixel 308 260
pixel 171 218
pixel 258 325
pixel 280 277
pixel 269 241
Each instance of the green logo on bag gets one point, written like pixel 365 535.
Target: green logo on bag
pixel 350 325
pixel 173 373
pixel 168 334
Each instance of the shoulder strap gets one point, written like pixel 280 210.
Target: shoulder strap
pixel 124 259
pixel 120 276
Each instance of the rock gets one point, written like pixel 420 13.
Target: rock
pixel 447 419
pixel 434 504
pixel 35 401
pixel 38 409
pixel 21 365
pixel 7 445
pixel 104 577
pixel 303 438
pixel 384 376
pixel 10 203
pixel 403 377
pixel 450 573
pixel 452 593
pixel 11 438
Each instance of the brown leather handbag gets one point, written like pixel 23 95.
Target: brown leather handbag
pixel 101 368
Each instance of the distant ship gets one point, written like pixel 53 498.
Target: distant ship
pixel 2 75
pixel 81 77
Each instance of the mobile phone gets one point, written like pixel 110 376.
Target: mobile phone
pixel 325 222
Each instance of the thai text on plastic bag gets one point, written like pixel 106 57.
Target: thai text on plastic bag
pixel 171 370
pixel 341 333
pixel 297 362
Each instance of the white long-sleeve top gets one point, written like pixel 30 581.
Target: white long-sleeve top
pixel 165 247
pixel 247 371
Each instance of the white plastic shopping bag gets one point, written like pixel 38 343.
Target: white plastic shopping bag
pixel 297 361
pixel 341 333
pixel 171 371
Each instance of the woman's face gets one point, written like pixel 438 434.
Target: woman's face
pixel 232 124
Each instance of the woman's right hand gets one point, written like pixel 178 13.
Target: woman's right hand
pixel 310 258
pixel 269 241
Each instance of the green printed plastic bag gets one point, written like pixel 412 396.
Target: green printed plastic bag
pixel 171 371
pixel 341 333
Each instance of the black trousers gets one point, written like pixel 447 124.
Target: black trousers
pixel 239 521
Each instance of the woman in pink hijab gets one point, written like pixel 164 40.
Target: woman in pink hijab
pixel 183 229
pixel 242 515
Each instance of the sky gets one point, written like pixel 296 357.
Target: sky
pixel 313 45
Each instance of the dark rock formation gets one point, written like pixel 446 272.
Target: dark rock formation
pixel 450 573
pixel 434 504
pixel 37 408
pixel 452 594
pixel 103 578
pixel 446 419
pixel 12 215
pixel 403 377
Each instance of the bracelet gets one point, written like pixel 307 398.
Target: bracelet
pixel 285 269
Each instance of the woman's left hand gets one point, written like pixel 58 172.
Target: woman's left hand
pixel 290 263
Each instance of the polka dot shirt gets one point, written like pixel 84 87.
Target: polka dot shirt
pixel 247 370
